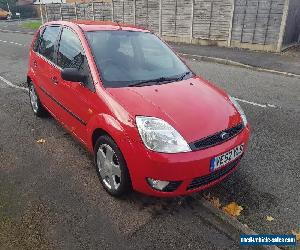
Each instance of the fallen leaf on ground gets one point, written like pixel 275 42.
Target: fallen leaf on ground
pixel 270 218
pixel 297 235
pixel 207 196
pixel 215 201
pixel 233 209
pixel 41 141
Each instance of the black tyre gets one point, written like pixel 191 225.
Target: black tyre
pixel 35 102
pixel 111 167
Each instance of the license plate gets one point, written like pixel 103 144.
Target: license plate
pixel 224 159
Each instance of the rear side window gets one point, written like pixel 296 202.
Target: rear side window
pixel 48 41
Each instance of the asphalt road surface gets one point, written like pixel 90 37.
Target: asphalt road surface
pixel 50 196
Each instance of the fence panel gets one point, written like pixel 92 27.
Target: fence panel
pixel 212 19
pixel 53 12
pixel 85 11
pixel 202 18
pixel 221 18
pixel 128 11
pixel 142 13
pixel 257 21
pixel 103 11
pixel 119 10
pixel 153 15
pixel 183 17
pixel 68 12
pixel 168 17
pixel 124 11
pixel 238 21
pixel 147 14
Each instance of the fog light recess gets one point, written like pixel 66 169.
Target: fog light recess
pixel 157 184
pixel 165 186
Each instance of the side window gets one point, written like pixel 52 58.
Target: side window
pixel 71 55
pixel 70 52
pixel 47 44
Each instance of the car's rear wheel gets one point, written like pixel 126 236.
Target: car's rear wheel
pixel 111 167
pixel 35 102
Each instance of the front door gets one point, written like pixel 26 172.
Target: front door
pixel 76 98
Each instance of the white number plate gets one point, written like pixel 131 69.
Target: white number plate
pixel 226 158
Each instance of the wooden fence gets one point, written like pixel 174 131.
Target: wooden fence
pixel 204 19
pixel 238 23
pixel 257 21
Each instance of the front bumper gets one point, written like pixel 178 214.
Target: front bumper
pixel 191 169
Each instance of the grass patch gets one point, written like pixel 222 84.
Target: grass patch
pixel 32 25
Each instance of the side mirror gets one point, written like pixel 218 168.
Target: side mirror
pixel 72 75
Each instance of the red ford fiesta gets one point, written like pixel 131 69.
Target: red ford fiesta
pixel 151 123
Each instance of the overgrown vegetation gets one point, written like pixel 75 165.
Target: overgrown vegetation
pixel 32 25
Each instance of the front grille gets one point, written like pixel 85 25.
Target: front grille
pixel 203 180
pixel 216 138
pixel 172 186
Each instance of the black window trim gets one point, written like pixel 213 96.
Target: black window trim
pixel 56 45
pixel 38 39
pixel 53 63
pixel 56 54
pixel 94 59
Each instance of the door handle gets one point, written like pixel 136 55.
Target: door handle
pixel 35 64
pixel 54 80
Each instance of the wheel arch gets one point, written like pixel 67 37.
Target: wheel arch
pixel 28 80
pixel 104 124
pixel 97 133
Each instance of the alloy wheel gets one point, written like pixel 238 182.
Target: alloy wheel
pixel 109 167
pixel 33 99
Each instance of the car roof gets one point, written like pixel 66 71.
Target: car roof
pixel 89 25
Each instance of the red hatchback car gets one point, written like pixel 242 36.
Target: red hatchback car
pixel 151 123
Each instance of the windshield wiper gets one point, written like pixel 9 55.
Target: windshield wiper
pixel 183 75
pixel 160 80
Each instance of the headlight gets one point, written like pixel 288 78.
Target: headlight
pixel 239 109
pixel 160 136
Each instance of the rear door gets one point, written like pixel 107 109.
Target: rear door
pixel 44 64
pixel 34 58
pixel 77 98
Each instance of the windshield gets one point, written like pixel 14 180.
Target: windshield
pixel 127 58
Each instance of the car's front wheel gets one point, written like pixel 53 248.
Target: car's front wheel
pixel 111 167
pixel 35 102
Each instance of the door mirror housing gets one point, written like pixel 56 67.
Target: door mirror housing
pixel 72 75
